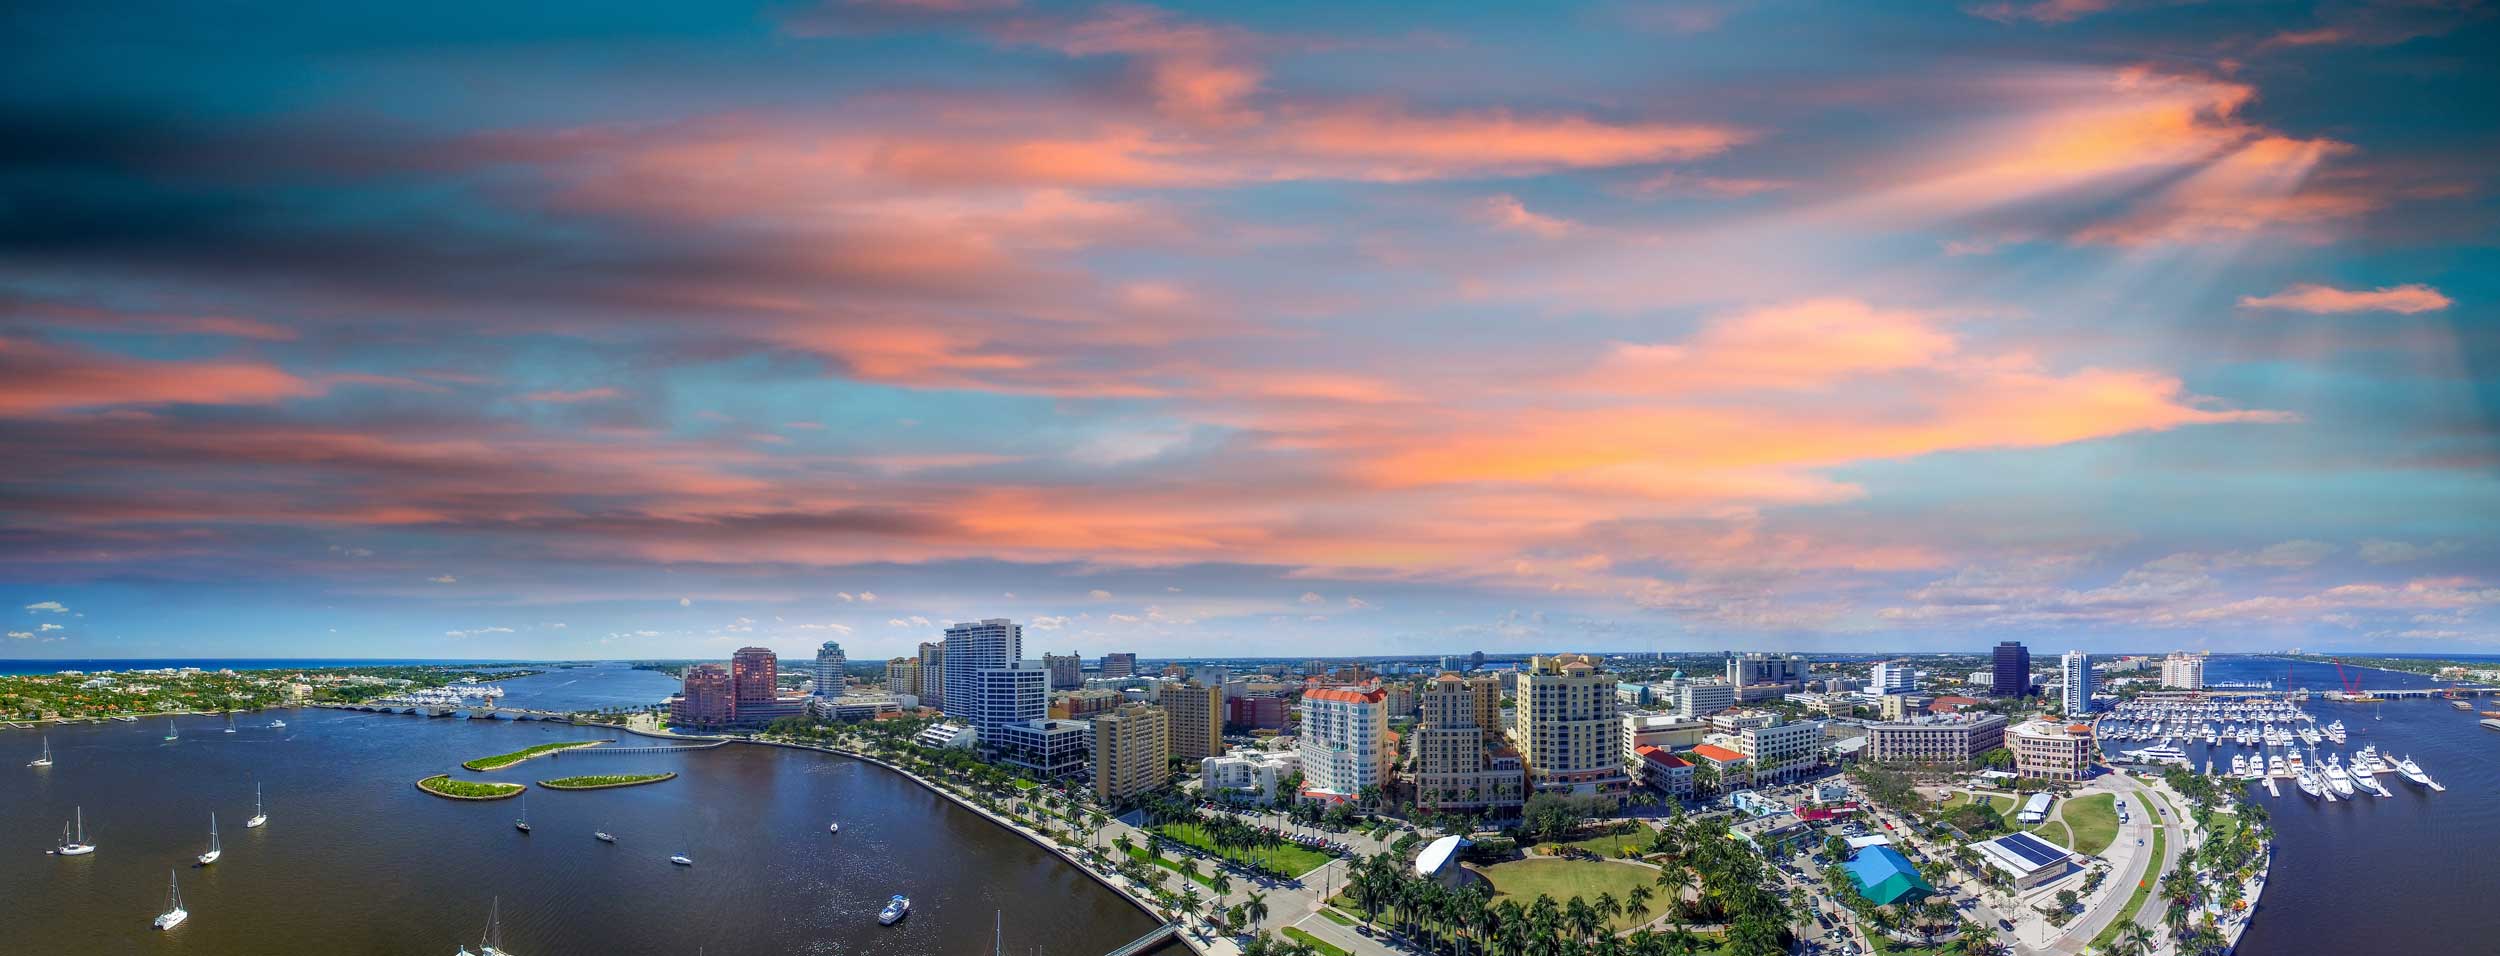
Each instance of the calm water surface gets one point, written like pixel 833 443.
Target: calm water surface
pixel 356 860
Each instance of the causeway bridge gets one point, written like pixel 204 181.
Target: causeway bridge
pixel 1154 937
pixel 467 713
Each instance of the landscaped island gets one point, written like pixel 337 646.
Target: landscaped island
pixel 443 785
pixel 500 761
pixel 604 781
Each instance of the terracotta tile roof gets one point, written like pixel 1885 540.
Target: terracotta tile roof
pixel 1345 696
pixel 1661 757
pixel 1718 753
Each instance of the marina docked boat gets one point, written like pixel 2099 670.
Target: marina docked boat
pixel 75 844
pixel 2159 754
pixel 259 816
pixel 2274 766
pixel 895 910
pixel 2309 784
pixel 2336 777
pixel 2413 771
pixel 174 913
pixel 2335 731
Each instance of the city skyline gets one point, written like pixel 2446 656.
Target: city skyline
pixel 1340 330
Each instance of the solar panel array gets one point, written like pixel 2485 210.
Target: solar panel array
pixel 2031 848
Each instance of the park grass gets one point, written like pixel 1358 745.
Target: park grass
pixel 1150 856
pixel 2055 832
pixel 500 761
pixel 1285 858
pixel 604 781
pixel 2143 889
pixel 2002 805
pixel 1316 944
pixel 444 785
pixel 2094 820
pixel 1336 917
pixel 1525 880
pixel 1612 845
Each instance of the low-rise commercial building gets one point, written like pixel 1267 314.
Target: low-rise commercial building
pixel 1052 748
pixel 1663 771
pixel 1940 740
pixel 1248 776
pixel 2049 750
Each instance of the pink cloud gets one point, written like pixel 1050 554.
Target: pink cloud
pixel 2409 298
pixel 1508 212
pixel 559 397
pixel 36 378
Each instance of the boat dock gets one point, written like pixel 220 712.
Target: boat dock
pixel 2271 789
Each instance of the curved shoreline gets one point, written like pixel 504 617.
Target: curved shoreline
pixel 528 754
pixel 551 785
pixel 517 790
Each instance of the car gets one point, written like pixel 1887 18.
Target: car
pixel 2006 925
pixel 2139 842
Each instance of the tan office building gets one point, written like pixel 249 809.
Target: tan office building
pixel 1566 729
pixel 1458 765
pixel 2049 750
pixel 1197 714
pixel 1132 752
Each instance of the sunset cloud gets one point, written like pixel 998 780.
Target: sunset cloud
pixel 2407 299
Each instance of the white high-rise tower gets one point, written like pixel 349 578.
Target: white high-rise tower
pixel 2076 668
pixel 829 664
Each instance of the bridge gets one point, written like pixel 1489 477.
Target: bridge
pixel 1153 938
pixel 468 713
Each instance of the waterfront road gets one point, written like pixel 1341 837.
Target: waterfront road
pixel 2129 863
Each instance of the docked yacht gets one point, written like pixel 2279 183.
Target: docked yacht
pixel 2239 765
pixel 2335 731
pixel 2413 771
pixel 2274 765
pixel 2160 754
pixel 2309 784
pixel 2336 777
pixel 895 910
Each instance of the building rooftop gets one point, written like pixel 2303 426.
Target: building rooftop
pixel 1885 876
pixel 1717 753
pixel 1344 696
pixel 1661 757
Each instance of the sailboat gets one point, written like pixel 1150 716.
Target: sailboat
pixel 259 816
pixel 76 845
pixel 604 836
pixel 174 913
pixel 214 851
pixel 43 759
pixel 682 860
pixel 491 942
pixel 170 732
pixel 523 824
pixel 230 721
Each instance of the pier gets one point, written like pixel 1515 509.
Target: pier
pixel 1153 938
pixel 469 713
pixel 639 750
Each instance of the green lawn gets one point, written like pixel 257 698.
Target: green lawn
pixel 2094 820
pixel 2002 805
pixel 500 761
pixel 1586 879
pixel 1336 917
pixel 597 781
pixel 2055 832
pixel 447 786
pixel 1612 845
pixel 2143 888
pixel 1200 877
pixel 1290 859
pixel 1315 943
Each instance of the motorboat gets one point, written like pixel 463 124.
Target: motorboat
pixel 682 860
pixel 174 913
pixel 43 759
pixel 75 843
pixel 277 725
pixel 833 828
pixel 214 851
pixel 2413 771
pixel 2239 765
pixel 895 910
pixel 604 836
pixel 2309 784
pixel 2336 777
pixel 259 816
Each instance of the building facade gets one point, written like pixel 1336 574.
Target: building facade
pixel 1067 671
pixel 1566 729
pixel 756 674
pixel 1015 694
pixel 2011 677
pixel 1892 677
pixel 1121 664
pixel 1663 771
pixel 1782 750
pixel 1345 743
pixel 1052 748
pixel 1248 776
pixel 1197 714
pixel 933 674
pixel 707 698
pixel 1258 712
pixel 1460 763
pixel 1702 699
pixel 969 650
pixel 2051 750
pixel 1131 752
pixel 2075 668
pixel 2183 671
pixel 902 675
pixel 1945 740
pixel 829 674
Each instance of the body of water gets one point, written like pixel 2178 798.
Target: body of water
pixel 26 666
pixel 588 688
pixel 2402 874
pixel 356 860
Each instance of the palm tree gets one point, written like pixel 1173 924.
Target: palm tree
pixel 1253 910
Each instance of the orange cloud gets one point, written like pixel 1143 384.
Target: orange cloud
pixel 35 377
pixel 1508 212
pixel 1799 345
pixel 2409 298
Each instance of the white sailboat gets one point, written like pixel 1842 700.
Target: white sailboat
pixel 682 860
pixel 230 721
pixel 76 845
pixel 259 816
pixel 490 943
pixel 43 759
pixel 523 824
pixel 170 732
pixel 214 851
pixel 174 913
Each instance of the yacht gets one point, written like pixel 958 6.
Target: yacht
pixel 2413 771
pixel 2335 731
pixel 523 824
pixel 895 910
pixel 259 816
pixel 2368 784
pixel 604 836
pixel 2160 753
pixel 277 725
pixel 43 759
pixel 174 913
pixel 682 860
pixel 2239 765
pixel 2309 784
pixel 214 851
pixel 76 845
pixel 2336 777
pixel 2274 765
pixel 2365 762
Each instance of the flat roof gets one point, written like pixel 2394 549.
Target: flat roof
pixel 2021 853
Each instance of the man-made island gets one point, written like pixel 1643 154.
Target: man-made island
pixel 500 761
pixel 604 781
pixel 444 785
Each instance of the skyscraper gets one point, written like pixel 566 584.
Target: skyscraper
pixel 756 674
pixel 1456 766
pixel 1197 714
pixel 1131 752
pixel 902 676
pixel 2076 668
pixel 1345 742
pixel 1122 664
pixel 1067 671
pixel 932 673
pixel 2013 669
pixel 1892 677
pixel 829 664
pixel 973 648
pixel 2183 671
pixel 1013 694
pixel 706 698
pixel 1566 729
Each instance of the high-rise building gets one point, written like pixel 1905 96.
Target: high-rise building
pixel 1120 664
pixel 1760 668
pixel 1459 766
pixel 1566 729
pixel 1781 750
pixel 902 676
pixel 2183 671
pixel 1314 668
pixel 707 698
pixel 1703 698
pixel 1014 694
pixel 1892 677
pixel 1345 743
pixel 2012 675
pixel 932 673
pixel 756 673
pixel 1196 712
pixel 1067 671
pixel 971 649
pixel 829 664
pixel 1131 752
pixel 2075 667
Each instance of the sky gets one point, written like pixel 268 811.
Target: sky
pixel 624 329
